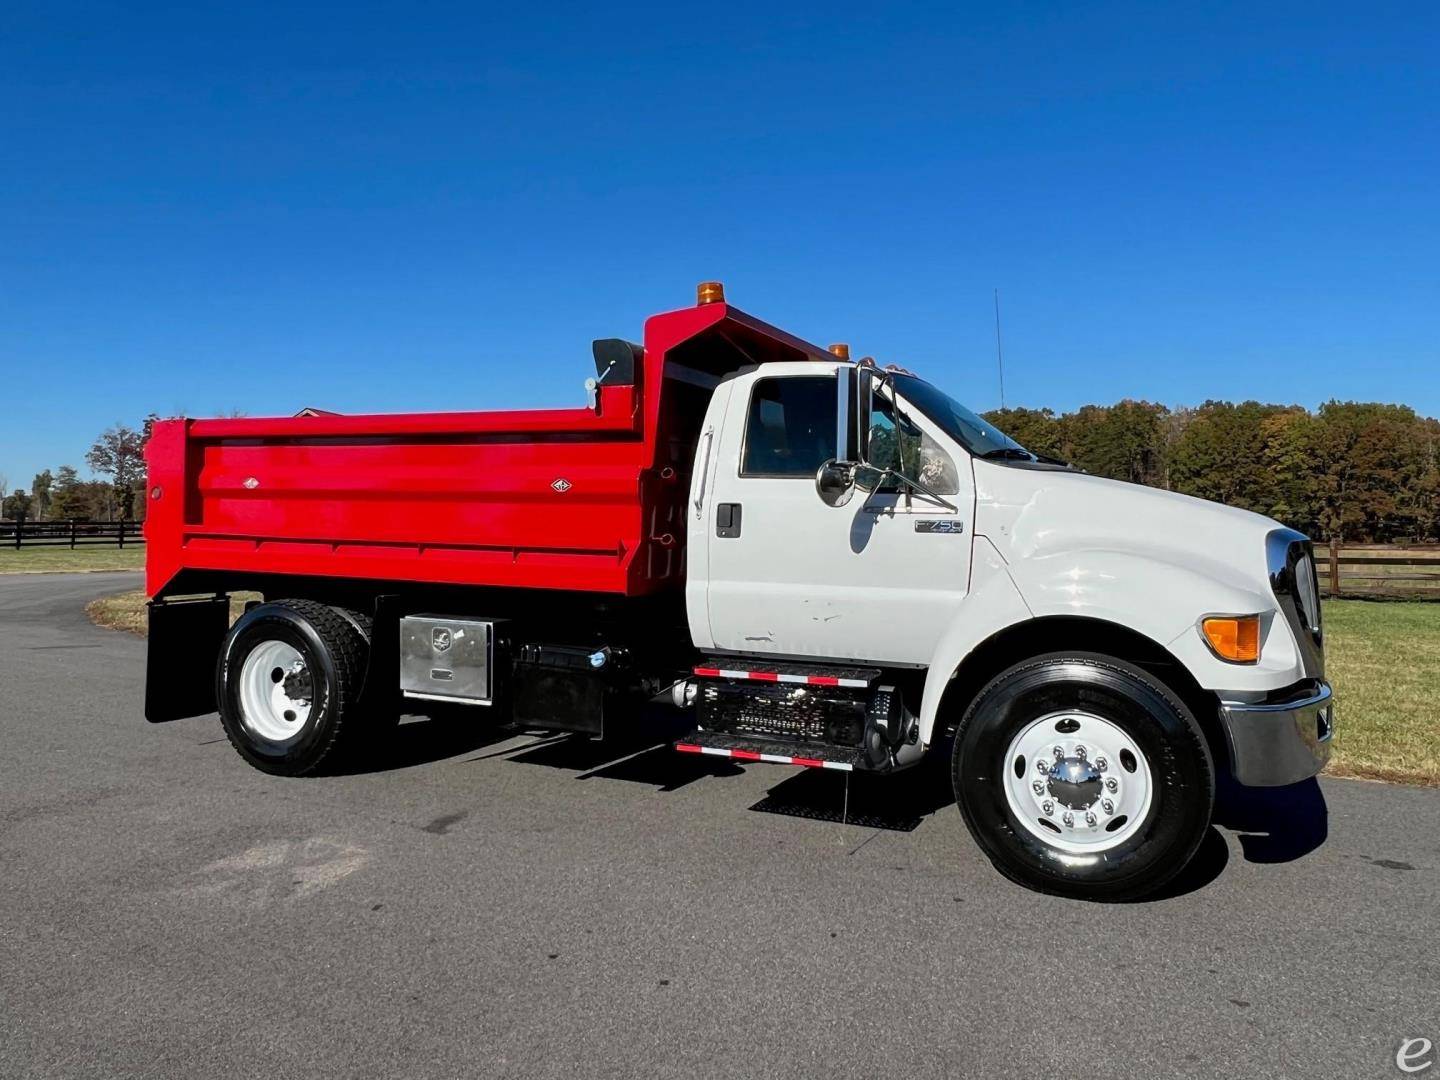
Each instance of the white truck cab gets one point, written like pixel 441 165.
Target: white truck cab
pixel 1096 648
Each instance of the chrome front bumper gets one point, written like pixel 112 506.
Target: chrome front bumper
pixel 1272 744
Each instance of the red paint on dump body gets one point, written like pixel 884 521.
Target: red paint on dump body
pixel 590 500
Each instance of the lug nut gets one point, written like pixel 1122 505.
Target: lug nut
pixel 1068 819
pixel 1039 787
pixel 1101 764
pixel 1089 817
pixel 1041 768
pixel 1048 806
pixel 1107 806
pixel 1110 784
pixel 1058 752
pixel 1080 752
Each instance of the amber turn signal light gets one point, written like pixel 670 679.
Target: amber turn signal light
pixel 710 292
pixel 1234 637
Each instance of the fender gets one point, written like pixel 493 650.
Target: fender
pixel 1164 600
pixel 1160 600
pixel 994 603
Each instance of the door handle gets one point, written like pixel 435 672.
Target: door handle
pixel 727 520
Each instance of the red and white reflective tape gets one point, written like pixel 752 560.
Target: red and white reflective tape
pixel 773 759
pixel 775 676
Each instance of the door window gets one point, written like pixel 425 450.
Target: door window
pixel 897 443
pixel 791 427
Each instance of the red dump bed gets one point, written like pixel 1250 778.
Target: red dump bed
pixel 587 499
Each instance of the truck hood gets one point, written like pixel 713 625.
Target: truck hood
pixel 1049 525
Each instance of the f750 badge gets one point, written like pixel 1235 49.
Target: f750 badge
pixel 943 525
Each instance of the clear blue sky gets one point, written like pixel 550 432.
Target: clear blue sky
pixel 370 207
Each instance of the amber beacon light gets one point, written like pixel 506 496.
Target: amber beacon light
pixel 841 350
pixel 710 292
pixel 1234 637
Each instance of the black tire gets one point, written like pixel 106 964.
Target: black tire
pixel 335 653
pixel 1163 729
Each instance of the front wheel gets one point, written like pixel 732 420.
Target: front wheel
pixel 288 683
pixel 1082 775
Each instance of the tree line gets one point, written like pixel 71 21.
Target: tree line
pixel 117 457
pixel 1353 471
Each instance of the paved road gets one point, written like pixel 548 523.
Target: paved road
pixel 471 906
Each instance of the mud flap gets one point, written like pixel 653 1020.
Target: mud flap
pixel 184 646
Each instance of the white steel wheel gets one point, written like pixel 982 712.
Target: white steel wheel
pixel 1078 782
pixel 276 691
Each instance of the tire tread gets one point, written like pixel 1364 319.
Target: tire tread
pixel 348 649
pixel 1196 745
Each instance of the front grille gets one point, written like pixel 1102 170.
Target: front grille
pixel 1307 593
pixel 1291 563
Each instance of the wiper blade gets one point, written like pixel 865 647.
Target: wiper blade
pixel 1016 453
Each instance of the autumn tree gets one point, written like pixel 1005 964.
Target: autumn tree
pixel 119 453
pixel 1124 441
pixel 1220 455
pixel 1035 429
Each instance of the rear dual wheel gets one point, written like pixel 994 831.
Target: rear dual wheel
pixel 1084 776
pixel 288 682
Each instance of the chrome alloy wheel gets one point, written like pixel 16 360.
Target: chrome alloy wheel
pixel 276 691
pixel 1077 782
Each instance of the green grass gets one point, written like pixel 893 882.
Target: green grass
pixel 45 559
pixel 1384 661
pixel 126 611
pixel 1382 658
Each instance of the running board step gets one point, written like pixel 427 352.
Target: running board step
pixel 853 678
pixel 772 751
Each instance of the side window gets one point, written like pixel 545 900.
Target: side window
pixel 791 427
pixel 898 444
pixel 937 469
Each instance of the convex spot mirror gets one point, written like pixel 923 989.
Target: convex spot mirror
pixel 835 482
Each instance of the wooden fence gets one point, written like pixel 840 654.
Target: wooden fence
pixel 1395 570
pixel 1381 570
pixel 18 534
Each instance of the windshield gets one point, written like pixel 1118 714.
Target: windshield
pixel 962 425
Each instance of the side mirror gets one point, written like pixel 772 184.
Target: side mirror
pixel 835 482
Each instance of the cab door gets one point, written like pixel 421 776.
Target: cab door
pixel 878 579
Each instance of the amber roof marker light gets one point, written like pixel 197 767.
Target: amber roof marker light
pixel 709 292
pixel 840 349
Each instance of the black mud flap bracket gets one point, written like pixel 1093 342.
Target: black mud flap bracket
pixel 183 648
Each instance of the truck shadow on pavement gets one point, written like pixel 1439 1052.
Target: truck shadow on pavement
pixel 1272 825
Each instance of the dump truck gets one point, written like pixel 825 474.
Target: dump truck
pixel 828 563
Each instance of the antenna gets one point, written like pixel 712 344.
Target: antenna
pixel 999 353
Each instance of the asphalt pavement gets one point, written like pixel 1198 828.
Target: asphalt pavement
pixel 479 903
